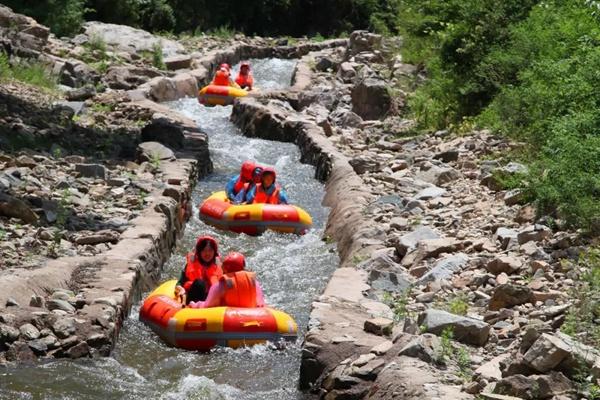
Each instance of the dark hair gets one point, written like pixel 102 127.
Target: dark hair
pixel 201 246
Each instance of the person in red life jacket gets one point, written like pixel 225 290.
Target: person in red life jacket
pixel 201 271
pixel 236 288
pixel 226 66
pixel 222 77
pixel 244 77
pixel 237 184
pixel 267 191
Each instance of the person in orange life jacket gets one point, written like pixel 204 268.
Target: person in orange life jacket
pixel 267 191
pixel 236 288
pixel 244 77
pixel 201 271
pixel 222 77
pixel 241 197
pixel 238 182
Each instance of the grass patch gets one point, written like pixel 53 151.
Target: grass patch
pixel 222 32
pixel 29 72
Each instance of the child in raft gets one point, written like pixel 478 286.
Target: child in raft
pixel 267 191
pixel 223 77
pixel 201 272
pixel 236 288
pixel 239 185
pixel 244 78
pixel 241 197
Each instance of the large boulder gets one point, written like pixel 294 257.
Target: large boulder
pixel 23 34
pixel 464 329
pixel 363 41
pixel 127 77
pixel 131 40
pixel 15 208
pixel 371 98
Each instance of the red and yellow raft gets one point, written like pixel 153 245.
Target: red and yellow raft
pixel 203 328
pixel 213 95
pixel 253 219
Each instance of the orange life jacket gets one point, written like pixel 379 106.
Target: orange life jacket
pixel 240 289
pixel 245 81
pixel 221 78
pixel 194 270
pixel 262 197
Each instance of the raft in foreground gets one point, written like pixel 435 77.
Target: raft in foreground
pixel 203 328
pixel 253 219
pixel 215 95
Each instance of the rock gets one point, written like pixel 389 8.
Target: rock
pixel 506 264
pixel 546 353
pixel 20 352
pixel 507 237
pixel 513 197
pixel 525 214
pixel 399 223
pixel 29 332
pixel 429 248
pixel 438 175
pixel 535 233
pixel 371 99
pixel 409 241
pixel 490 371
pixel 370 370
pixel 361 41
pixel 445 268
pixel 10 302
pixel 534 386
pixel 15 208
pixel 54 304
pixel 79 350
pixel 38 346
pixel 393 281
pixel 104 236
pixel 345 118
pixel 465 329
pixel 82 93
pixel 64 327
pixel 379 326
pixel 36 301
pixel 430 193
pixel 91 170
pixel 131 40
pixel 382 348
pixel 186 85
pixel 178 62
pixel 162 89
pixel 8 334
pixel 347 72
pixel 363 359
pixel 324 63
pixel 447 156
pixel 149 151
pixel 26 161
pixel 362 164
pixel 425 347
pixel 509 295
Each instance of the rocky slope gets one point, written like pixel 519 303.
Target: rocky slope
pixel 449 287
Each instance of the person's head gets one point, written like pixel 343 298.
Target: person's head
pixel 268 177
pixel 225 66
pixel 245 67
pixel 247 170
pixel 206 250
pixel 234 262
pixel 256 174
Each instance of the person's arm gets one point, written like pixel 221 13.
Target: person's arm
pixel 251 195
pixel 260 298
pixel 213 299
pixel 239 198
pixel 230 186
pixel 283 198
pixel 179 289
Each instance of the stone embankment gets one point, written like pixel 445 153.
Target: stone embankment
pixel 449 287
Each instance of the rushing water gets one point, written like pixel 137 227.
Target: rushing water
pixel 292 271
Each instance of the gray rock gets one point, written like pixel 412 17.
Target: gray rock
pixel 370 370
pixel 36 301
pixel 546 353
pixel 347 72
pixel 10 302
pixel 55 304
pixel 324 63
pixel 363 163
pixel 20 352
pixel 447 156
pixel 438 175
pixel 430 193
pixel 394 281
pixel 465 329
pixel 509 295
pixel 91 170
pixel 104 236
pixel 409 241
pixel 535 233
pixel 363 41
pixel 149 151
pixel 38 346
pixel 424 347
pixel 379 326
pixel 445 268
pixel 371 99
pixel 29 332
pixel 8 334
pixel 79 350
pixel 178 62
pixel 64 327
pixel 82 93
pixel 506 236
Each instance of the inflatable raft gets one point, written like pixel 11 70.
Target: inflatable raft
pixel 213 95
pixel 204 328
pixel 253 219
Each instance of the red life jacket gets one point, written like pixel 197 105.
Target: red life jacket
pixel 239 185
pixel 245 81
pixel 240 289
pixel 221 78
pixel 262 197
pixel 194 270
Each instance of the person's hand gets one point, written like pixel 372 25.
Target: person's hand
pixel 179 291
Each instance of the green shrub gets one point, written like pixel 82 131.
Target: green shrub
pixel 30 72
pixel 157 56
